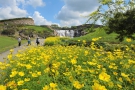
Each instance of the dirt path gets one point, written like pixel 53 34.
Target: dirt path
pixel 4 55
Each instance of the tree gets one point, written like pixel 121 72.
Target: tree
pixel 109 9
pixel 123 24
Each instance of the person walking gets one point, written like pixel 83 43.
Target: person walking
pixel 38 41
pixel 29 41
pixel 19 41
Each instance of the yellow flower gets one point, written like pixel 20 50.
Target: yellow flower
pixel 9 56
pixel 47 70
pixel 71 78
pixel 73 61
pixel 45 88
pixel 115 73
pixel 124 75
pixel 97 86
pixel 27 79
pixel 120 79
pixel 38 73
pixel 2 87
pixel 34 75
pixel 104 76
pixel 111 84
pixel 119 85
pixel 21 82
pixel 77 85
pixel 53 85
pixel 91 63
pixel 86 53
pixel 128 40
pixel 13 73
pixel 11 84
pixel 21 73
pixel 28 66
pixel 11 50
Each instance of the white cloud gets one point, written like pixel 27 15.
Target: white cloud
pixel 40 20
pixel 73 12
pixel 10 9
pixel 35 3
pixel 5 3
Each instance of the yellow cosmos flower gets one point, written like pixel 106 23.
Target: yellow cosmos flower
pixel 124 75
pixel 97 86
pixel 11 50
pixel 73 61
pixel 2 87
pixel 91 63
pixel 119 85
pixel 111 84
pixel 9 56
pixel 27 79
pixel 13 73
pixel 21 82
pixel 131 61
pixel 128 40
pixel 28 66
pixel 115 73
pixel 86 53
pixel 71 78
pixel 77 85
pixel 39 73
pixel 11 84
pixel 47 70
pixel 104 76
pixel 21 73
pixel 34 75
pixel 53 85
pixel 45 88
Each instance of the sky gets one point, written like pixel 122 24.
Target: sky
pixel 48 12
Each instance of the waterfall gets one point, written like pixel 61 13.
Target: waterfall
pixel 64 33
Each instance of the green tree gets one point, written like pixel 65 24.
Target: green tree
pixel 109 9
pixel 123 24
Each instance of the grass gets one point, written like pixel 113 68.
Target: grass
pixel 38 28
pixel 8 43
pixel 109 38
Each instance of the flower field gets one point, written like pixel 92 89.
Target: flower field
pixel 69 68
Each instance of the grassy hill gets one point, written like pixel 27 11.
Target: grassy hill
pixel 99 32
pixel 37 30
pixel 8 43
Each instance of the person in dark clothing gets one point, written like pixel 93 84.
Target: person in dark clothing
pixel 37 41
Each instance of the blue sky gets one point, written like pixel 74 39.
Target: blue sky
pixel 47 12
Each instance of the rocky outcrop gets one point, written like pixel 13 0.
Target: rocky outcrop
pixel 22 21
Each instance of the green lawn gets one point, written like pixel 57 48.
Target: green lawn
pixel 110 38
pixel 38 28
pixel 7 43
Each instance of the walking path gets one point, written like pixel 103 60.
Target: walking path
pixel 4 55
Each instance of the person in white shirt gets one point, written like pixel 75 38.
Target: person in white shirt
pixel 19 41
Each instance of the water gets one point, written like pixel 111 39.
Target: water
pixel 64 33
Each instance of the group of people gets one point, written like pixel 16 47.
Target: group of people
pixel 29 41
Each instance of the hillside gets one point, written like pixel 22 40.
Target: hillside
pixel 25 31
